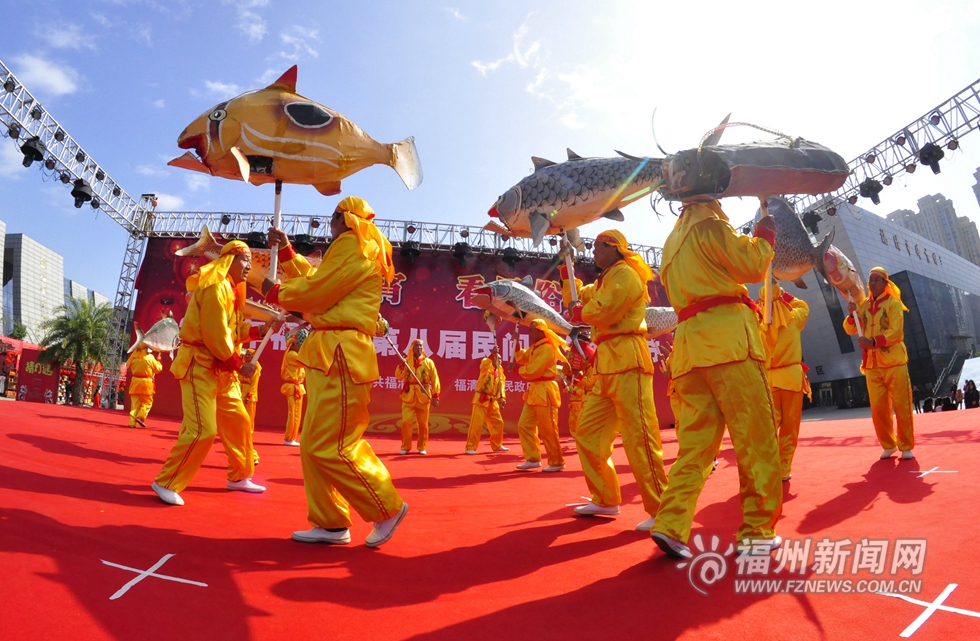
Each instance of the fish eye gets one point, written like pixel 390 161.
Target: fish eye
pixel 218 115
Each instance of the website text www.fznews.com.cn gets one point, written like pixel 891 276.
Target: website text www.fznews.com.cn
pixel 827 586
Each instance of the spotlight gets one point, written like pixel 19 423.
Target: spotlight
pixel 13 131
pixel 552 241
pixel 870 158
pixel 931 154
pixel 99 175
pixel 80 156
pixel 257 240
pixel 465 233
pixel 65 178
pixel 81 192
pixel 935 118
pixel 410 229
pixel 870 188
pixel 461 251
pixel 853 200
pixel 315 223
pixel 953 144
pixel 411 250
pixel 95 203
pixel 59 135
pixel 512 257
pixel 116 191
pixel 33 149
pixel 36 113
pixel 9 85
pixel 831 211
pixel 810 220
pixel 50 163
pixel 910 168
pixel 746 230
pixel 887 180
pixel 900 140
pixel 435 253
pixel 534 261
pixel 225 219
pixel 588 245
pixel 303 243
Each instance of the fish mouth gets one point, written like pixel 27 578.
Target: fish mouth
pixel 195 142
pixel 493 213
pixel 482 297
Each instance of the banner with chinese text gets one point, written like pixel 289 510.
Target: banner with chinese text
pixel 37 382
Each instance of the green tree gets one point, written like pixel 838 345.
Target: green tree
pixel 76 334
pixel 19 332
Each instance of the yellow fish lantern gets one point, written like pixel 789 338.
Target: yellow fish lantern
pixel 276 134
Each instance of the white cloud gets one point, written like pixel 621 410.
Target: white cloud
pixel 69 36
pixel 222 89
pixel 144 34
pixel 454 12
pixel 45 76
pixel 252 25
pixel 196 182
pixel 159 104
pixel 571 120
pixel 166 202
pixel 520 55
pixel 11 161
pixel 103 20
pixel 151 170
pixel 298 41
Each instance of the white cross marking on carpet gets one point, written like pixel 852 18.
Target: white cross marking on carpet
pixel 145 573
pixel 934 470
pixel 930 609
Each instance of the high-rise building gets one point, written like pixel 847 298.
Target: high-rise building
pixel 37 283
pixel 976 187
pixel 75 289
pixel 97 298
pixel 937 221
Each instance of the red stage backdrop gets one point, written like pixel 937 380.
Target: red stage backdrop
pixel 430 299
pixel 36 382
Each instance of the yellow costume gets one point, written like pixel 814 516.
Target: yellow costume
pixel 250 396
pixel 621 400
pixel 293 376
pixel 490 391
pixel 142 367
pixel 885 365
pixel 577 392
pixel 787 374
pixel 206 365
pixel 539 366
pixel 718 369
pixel 341 299
pixel 415 402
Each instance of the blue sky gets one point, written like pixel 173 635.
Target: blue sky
pixel 481 85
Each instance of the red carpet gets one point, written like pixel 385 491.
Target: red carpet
pixel 486 552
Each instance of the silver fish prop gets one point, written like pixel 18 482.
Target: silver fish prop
pixel 518 302
pixel 561 197
pixel 210 248
pixel 794 253
pixel 162 337
pixel 660 321
pixel 839 271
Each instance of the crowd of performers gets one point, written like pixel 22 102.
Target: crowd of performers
pixel 728 370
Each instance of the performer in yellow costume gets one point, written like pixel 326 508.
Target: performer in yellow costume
pixel 341 300
pixel 621 400
pixel 787 373
pixel 250 396
pixel 718 367
pixel 207 365
pixel 293 376
pixel 489 396
pixel 416 398
pixel 142 367
pixel 539 366
pixel 884 362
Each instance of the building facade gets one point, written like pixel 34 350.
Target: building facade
pixel 937 221
pixel 37 283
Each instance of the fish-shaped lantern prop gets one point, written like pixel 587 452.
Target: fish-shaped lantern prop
pixel 660 321
pixel 209 247
pixel 516 301
pixel 275 134
pixel 794 253
pixel 162 337
pixel 839 271
pixel 561 197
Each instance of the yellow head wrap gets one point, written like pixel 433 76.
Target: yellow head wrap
pixel 358 216
pixel 556 341
pixel 890 288
pixel 217 270
pixel 411 344
pixel 616 239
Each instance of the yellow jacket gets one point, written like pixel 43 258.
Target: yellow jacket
pixel 490 386
pixel 426 371
pixel 340 299
pixel 213 331
pixel 539 366
pixel 250 385
pixel 581 387
pixel 704 258
pixel 615 306
pixel 784 349
pixel 884 320
pixel 293 375
pixel 142 367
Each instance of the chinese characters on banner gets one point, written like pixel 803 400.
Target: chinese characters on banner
pixel 36 382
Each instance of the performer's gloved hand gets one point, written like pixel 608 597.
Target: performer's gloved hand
pixel 277 237
pixel 267 285
pixel 765 229
pixel 435 400
pixel 787 298
pixel 575 314
pixel 577 361
pixel 247 370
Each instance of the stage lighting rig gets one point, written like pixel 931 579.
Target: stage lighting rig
pixel 33 149
pixel 512 257
pixel 870 188
pixel 931 154
pixel 410 251
pixel 81 192
pixel 257 240
pixel 303 244
pixel 462 251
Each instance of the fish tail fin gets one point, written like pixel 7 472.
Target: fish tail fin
pixel 139 339
pixel 204 243
pixel 820 251
pixel 405 162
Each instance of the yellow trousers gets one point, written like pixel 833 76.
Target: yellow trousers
pixel 787 407
pixel 889 389
pixel 412 414
pixel 491 416
pixel 624 403
pixel 574 413
pixel 250 404
pixel 294 418
pixel 212 405
pixel 541 419
pixel 340 470
pixel 139 407
pixel 708 399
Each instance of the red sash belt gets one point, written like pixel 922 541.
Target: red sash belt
pixel 543 379
pixel 602 339
pixel 708 303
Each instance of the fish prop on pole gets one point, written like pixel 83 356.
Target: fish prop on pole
pixel 854 315
pixel 277 223
pixel 767 312
pixel 164 336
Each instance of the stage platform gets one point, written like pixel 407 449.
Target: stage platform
pixel 486 551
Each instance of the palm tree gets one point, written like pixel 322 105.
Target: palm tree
pixel 76 334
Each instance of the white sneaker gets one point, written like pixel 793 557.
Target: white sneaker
pixel 384 530
pixel 762 544
pixel 671 547
pixel 591 509
pixel 888 453
pixel 403 452
pixel 554 468
pixel 645 526
pixel 245 485
pixel 291 443
pixel 529 465
pixel 502 449
pixel 167 496
pixel 423 452
pixel 787 477
pixel 320 535
pixel 907 454
pixel 471 452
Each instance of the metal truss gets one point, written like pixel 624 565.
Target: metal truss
pixel 429 236
pixel 117 338
pixel 943 126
